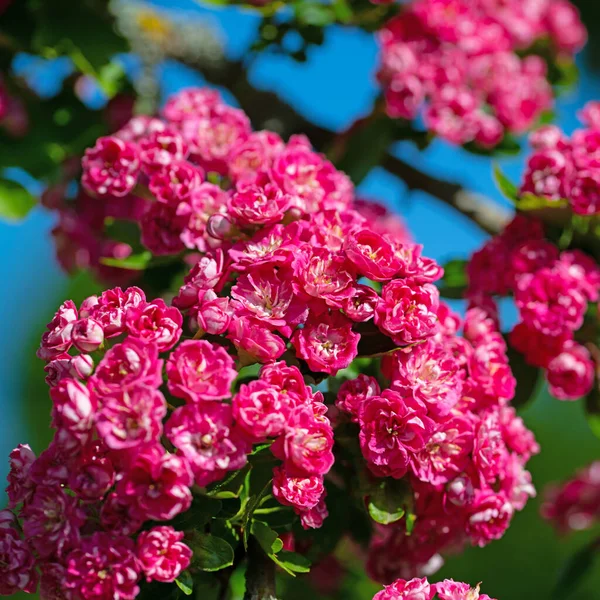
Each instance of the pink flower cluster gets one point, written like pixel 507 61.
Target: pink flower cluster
pixel 421 589
pixel 458 62
pixel 551 291
pixel 445 425
pixel 575 505
pixel 567 168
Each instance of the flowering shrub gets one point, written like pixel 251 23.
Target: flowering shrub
pixel 575 504
pixel 476 70
pixel 306 354
pixel 421 589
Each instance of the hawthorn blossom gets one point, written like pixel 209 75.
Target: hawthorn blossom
pixel 161 554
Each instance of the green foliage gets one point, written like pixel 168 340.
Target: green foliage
pixel 135 262
pixel 454 283
pixel 526 375
pixel 575 570
pixel 211 553
pixel 15 201
pixel 387 501
pixel 185 583
pixel 505 185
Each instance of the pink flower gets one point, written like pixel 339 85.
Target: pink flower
pixel 415 267
pixel 453 590
pixel 407 311
pixel 432 373
pixel 361 306
pixel 393 428
pixel 256 205
pixel 549 302
pixel 547 174
pixel 260 410
pixel 354 392
pixel 372 254
pixel 110 168
pixel 313 518
pixel 589 115
pixel 119 516
pixel 51 521
pixel 131 418
pixel 404 96
pixel 204 275
pixel 571 373
pixel 175 182
pixel 190 102
pixel 302 493
pixel 161 148
pixel 74 408
pixel 157 485
pixel 111 307
pixel 255 340
pixel 288 380
pixel 198 370
pixel 213 314
pixel 584 193
pixel 17 572
pixel 488 517
pixel 162 228
pixel 103 568
pixel 327 342
pixel 133 362
pixel 446 453
pixel 57 339
pixel 268 296
pixel 306 444
pixel 565 26
pixel 87 335
pixel 205 435
pixel 93 474
pixel 155 322
pixel 20 486
pixel 162 555
pixel 324 275
pixel 415 589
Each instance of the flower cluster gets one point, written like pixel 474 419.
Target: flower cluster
pixel 563 168
pixel 444 424
pixel 421 589
pixel 156 405
pixel 575 505
pixel 552 290
pixel 460 63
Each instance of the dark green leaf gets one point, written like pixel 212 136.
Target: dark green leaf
pixel 592 410
pixel 291 562
pixel 366 147
pixel 314 13
pixel 201 512
pixel 231 486
pixel 526 376
pixel 454 283
pixel 211 553
pixel 135 262
pixel 505 185
pixel 185 583
pixel 15 201
pixel 527 202
pixel 387 501
pixel 575 570
pixel 267 538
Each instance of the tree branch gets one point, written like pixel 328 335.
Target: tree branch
pixel 260 574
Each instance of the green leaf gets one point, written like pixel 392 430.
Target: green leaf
pixel 231 486
pixel 454 283
pixel 267 538
pixel 529 201
pixel 314 13
pixel 526 375
pixel 575 570
pixel 15 201
pixel 201 512
pixel 592 410
pixel 291 562
pixel 135 262
pixel 387 501
pixel 211 553
pixel 185 583
pixel 567 73
pixel 366 147
pixel 505 185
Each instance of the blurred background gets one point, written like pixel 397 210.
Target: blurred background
pixel 333 87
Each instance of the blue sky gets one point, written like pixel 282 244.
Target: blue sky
pixel 333 88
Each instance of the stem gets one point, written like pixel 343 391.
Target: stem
pixel 260 574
